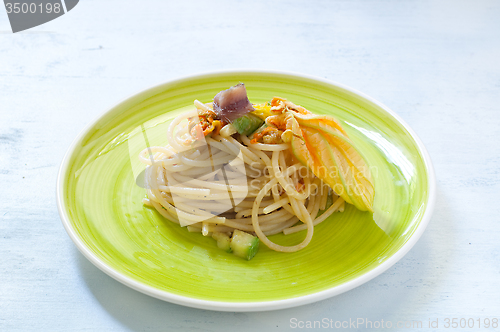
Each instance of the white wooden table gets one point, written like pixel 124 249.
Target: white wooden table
pixel 436 63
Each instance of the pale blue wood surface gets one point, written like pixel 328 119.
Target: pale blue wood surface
pixel 436 63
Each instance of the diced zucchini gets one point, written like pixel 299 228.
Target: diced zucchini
pixel 247 124
pixel 223 241
pixel 244 245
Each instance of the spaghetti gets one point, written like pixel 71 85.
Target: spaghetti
pixel 276 192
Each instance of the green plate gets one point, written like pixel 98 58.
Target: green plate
pixel 101 209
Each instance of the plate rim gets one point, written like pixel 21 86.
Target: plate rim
pixel 250 306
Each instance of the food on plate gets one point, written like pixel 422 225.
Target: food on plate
pixel 240 172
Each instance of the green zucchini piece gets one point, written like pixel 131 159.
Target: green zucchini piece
pixel 247 124
pixel 223 241
pixel 244 245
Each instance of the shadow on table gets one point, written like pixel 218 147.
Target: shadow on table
pixel 399 294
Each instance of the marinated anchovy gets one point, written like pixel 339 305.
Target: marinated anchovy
pixel 232 103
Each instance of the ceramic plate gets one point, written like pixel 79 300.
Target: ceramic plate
pixel 101 209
